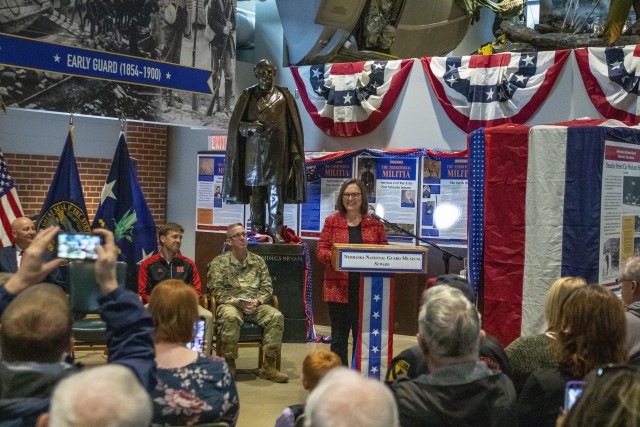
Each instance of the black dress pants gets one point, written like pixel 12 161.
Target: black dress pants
pixel 344 319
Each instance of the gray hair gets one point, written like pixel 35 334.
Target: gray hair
pixel 344 398
pixel 105 396
pixel 449 324
pixel 632 269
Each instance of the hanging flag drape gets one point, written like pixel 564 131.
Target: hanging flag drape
pixel 64 205
pixel 482 91
pixel 10 207
pixel 611 77
pixel 351 99
pixel 124 210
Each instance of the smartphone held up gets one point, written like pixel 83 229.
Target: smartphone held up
pixel 77 246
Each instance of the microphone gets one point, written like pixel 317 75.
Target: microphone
pixel 373 213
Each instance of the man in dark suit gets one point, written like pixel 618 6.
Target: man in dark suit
pixel 24 230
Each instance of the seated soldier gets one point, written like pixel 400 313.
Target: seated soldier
pixel 241 285
pixel 36 330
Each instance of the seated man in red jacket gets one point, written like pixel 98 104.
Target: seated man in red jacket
pixel 168 263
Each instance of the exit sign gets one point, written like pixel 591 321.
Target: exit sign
pixel 217 142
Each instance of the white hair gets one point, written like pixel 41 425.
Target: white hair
pixel 104 396
pixel 449 324
pixel 344 398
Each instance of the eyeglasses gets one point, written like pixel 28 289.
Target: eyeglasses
pixel 351 195
pixel 619 280
pixel 241 234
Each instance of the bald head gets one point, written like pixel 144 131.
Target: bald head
pixel 23 230
pixel 36 326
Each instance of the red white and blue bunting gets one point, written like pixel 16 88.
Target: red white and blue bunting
pixel 611 77
pixel 351 99
pixel 481 91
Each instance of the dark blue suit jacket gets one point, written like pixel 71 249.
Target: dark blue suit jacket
pixel 9 264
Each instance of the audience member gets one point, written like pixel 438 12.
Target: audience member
pixel 528 354
pixel 99 397
pixel 611 398
pixel 36 330
pixel 210 394
pixel 592 333
pixel 240 282
pixel 344 398
pixel 629 282
pixel 314 368
pixel 169 263
pixel 459 389
pixel 23 231
pixel 410 363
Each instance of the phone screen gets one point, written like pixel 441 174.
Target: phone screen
pixel 77 246
pixel 197 343
pixel 572 392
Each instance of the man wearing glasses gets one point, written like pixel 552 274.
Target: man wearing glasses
pixel 241 284
pixel 629 282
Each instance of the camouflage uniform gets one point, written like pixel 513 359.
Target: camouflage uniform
pixel 229 280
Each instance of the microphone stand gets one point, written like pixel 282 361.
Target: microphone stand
pixel 446 255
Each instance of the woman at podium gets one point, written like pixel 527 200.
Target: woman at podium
pixel 351 224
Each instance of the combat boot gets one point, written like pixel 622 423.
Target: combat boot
pixel 269 371
pixel 231 363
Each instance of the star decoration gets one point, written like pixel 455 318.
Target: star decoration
pixel 528 60
pixel 615 65
pixel 168 75
pixel 377 65
pixel 107 191
pixel 376 314
pixel 374 370
pixel 316 73
pixel 319 90
pixel 451 80
pixel 519 78
pixel 374 349
pixel 347 98
pixel 490 94
pixel 376 298
pixel 145 255
pixel 452 68
pixel 56 57
pixel 375 332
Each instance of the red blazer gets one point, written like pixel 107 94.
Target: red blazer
pixel 336 230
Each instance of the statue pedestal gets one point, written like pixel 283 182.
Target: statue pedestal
pixel 286 266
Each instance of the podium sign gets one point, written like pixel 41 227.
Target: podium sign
pixel 379 258
pixel 374 348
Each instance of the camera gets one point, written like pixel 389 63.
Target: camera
pixel 197 343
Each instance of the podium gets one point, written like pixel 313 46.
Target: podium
pixel 377 264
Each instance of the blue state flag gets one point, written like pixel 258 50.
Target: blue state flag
pixel 124 211
pixel 64 205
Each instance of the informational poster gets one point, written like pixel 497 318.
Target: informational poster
pixel 323 184
pixel 444 200
pixel 212 214
pixel 620 208
pixel 290 217
pixel 392 189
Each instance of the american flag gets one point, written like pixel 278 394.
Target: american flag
pixel 351 99
pixel 611 77
pixel 481 91
pixel 10 207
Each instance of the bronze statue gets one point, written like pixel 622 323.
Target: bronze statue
pixel 264 162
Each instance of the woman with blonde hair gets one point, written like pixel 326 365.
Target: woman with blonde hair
pixel 531 353
pixel 592 333
pixel 192 388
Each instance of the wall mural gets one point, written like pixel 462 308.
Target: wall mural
pixel 151 60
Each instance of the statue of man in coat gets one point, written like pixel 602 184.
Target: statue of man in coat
pixel 264 161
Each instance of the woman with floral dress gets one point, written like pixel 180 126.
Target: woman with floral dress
pixel 192 388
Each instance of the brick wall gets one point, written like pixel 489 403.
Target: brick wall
pixel 147 143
